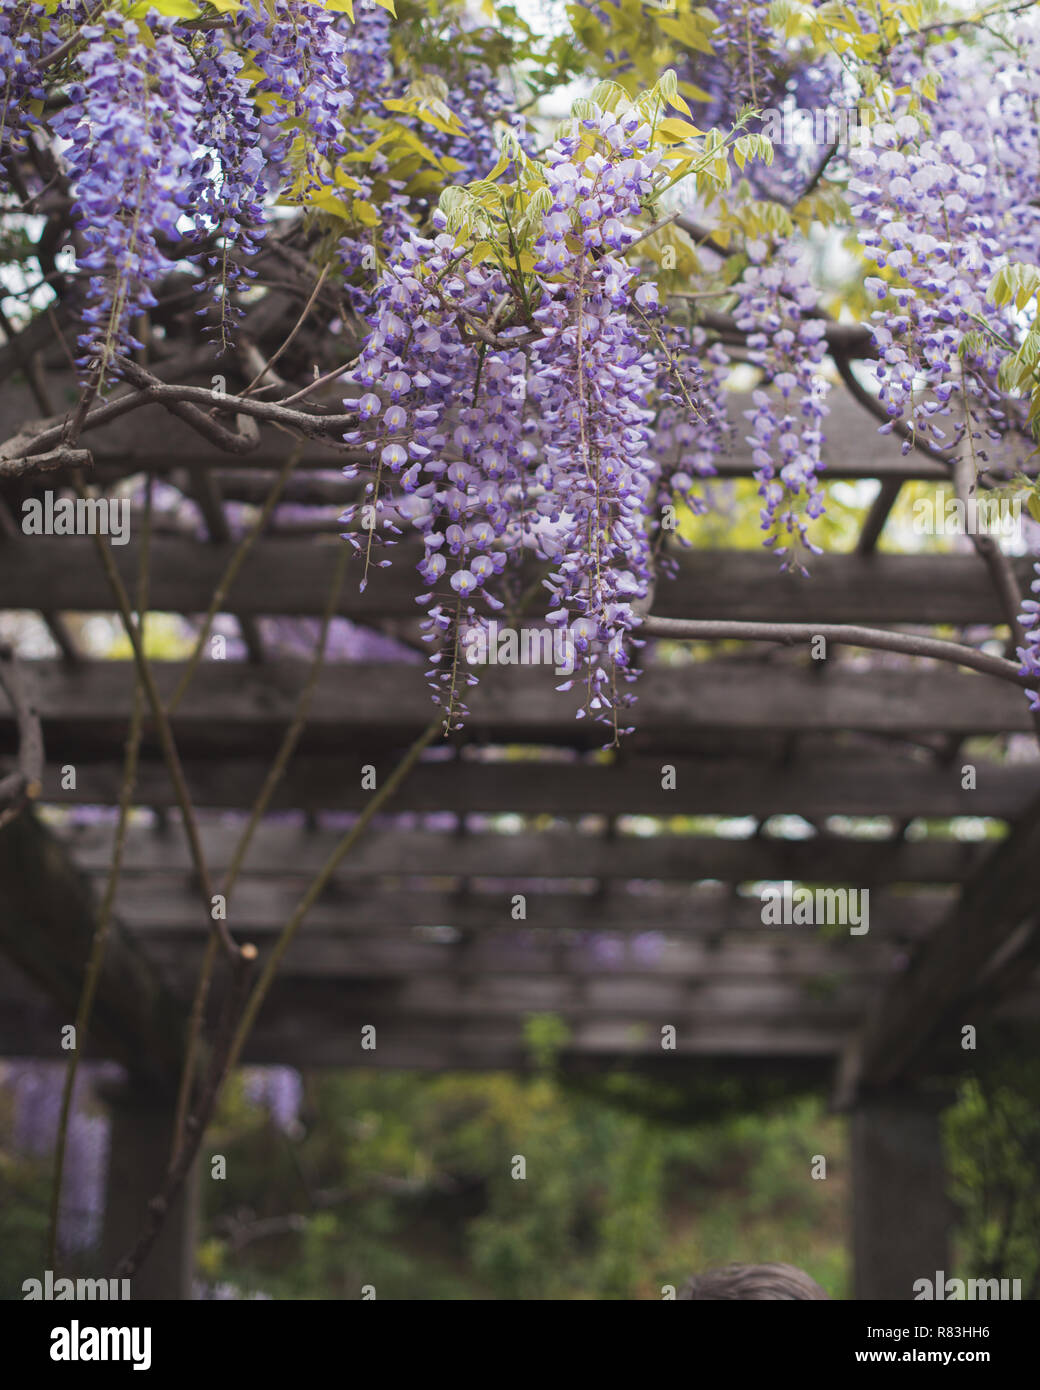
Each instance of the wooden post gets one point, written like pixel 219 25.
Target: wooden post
pixel 900 1212
pixel 142 1131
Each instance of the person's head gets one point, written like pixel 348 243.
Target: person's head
pixel 752 1281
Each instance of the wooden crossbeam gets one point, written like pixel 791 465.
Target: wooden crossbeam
pixel 62 573
pixel 279 849
pixel 261 906
pixel 941 993
pixel 47 927
pixel 152 440
pixel 318 1023
pixel 394 953
pixel 232 706
pixel 828 780
pixel 622 998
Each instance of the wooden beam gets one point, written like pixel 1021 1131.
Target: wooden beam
pixel 318 1023
pixel 46 928
pixel 234 706
pixel 139 1154
pixel 901 1216
pixel 150 439
pixel 279 849
pixel 932 1001
pixel 395 954
pixel 828 780
pixel 405 1000
pixel 260 907
pixel 62 573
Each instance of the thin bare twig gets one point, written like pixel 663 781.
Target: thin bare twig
pixel 288 341
pixel 104 918
pixel 166 741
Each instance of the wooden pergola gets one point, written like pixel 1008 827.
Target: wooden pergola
pixel 630 923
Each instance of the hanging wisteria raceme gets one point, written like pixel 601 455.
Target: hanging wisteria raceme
pixel 23 42
pixel 131 126
pixel 279 1091
pixel 302 51
pixel 37 1109
pixel 925 226
pixel 478 101
pixel 774 298
pixel 171 146
pixel 692 426
pixel 550 450
pixel 228 180
pixel 468 148
pixel 368 58
pixel 1029 655
pixel 990 99
pixel 752 59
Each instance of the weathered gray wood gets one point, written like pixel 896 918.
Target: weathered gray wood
pixel 827 779
pixel 260 907
pixel 231 705
pixel 139 1151
pixel 933 1000
pixel 151 439
pixel 318 1022
pixel 277 848
pixel 62 573
pixel 46 928
pixel 396 953
pixel 901 1217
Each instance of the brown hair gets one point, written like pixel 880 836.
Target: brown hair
pixel 753 1282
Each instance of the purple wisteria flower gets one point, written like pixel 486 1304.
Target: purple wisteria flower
pixel 546 451
pixel 775 302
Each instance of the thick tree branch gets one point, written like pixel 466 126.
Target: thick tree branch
pixel 54 461
pixel 42 435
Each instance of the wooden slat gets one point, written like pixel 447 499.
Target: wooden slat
pixel 260 907
pixel 150 439
pixel 63 572
pixel 394 954
pixel 940 993
pixel 279 849
pixel 621 998
pixel 231 706
pixel 47 917
pixel 827 781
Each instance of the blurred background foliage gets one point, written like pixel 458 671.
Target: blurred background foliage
pixel 403 1181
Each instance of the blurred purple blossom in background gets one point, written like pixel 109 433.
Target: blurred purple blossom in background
pixel 37 1088
pixel 278 1090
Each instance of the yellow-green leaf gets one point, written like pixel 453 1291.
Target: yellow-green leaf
pixel 675 131
pixel 365 213
pixel 176 9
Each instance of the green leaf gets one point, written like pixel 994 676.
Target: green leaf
pixel 176 9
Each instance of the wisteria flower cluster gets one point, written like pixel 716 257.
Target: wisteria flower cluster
pixel 775 304
pixel 543 447
pixel 130 125
pixel 172 139
pixel 1029 655
pixel 692 426
pixel 925 227
pixel 302 52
